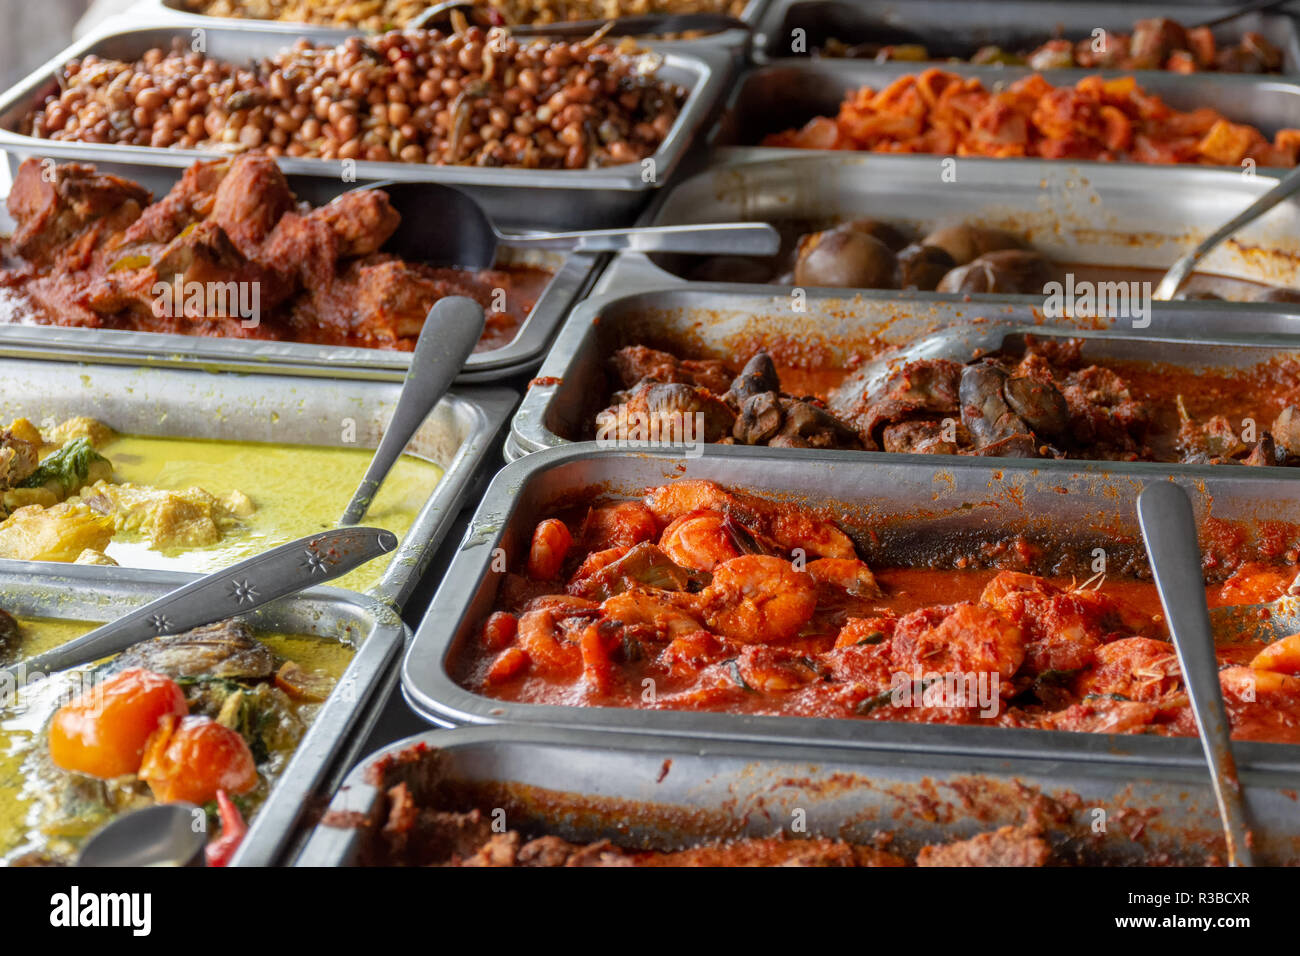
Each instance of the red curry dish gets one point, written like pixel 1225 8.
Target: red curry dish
pixel 717 600
pixel 1046 401
pixel 94 251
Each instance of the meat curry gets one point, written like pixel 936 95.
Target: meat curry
pixel 94 251
pixel 703 598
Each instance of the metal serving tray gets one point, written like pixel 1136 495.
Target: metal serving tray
pixel 89 593
pixel 187 403
pixel 911 503
pixel 787 93
pixel 728 322
pixel 573 274
pixel 1126 215
pixel 519 198
pixel 954 28
pixel 661 792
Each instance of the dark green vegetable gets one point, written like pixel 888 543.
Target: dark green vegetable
pixel 69 467
pixel 734 667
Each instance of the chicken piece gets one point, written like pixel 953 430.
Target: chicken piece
pixel 1006 846
pixel 51 211
pixel 363 221
pixel 1104 412
pixel 18 459
pixel 82 426
pixel 188 202
pixel 169 519
pixel 57 533
pixel 250 200
pixel 636 362
pixel 669 412
pixel 91 556
pixel 927 388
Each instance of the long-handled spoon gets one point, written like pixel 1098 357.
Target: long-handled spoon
pixel 1169 530
pixel 161 835
pixel 451 330
pixel 1173 280
pixel 237 589
pixel 443 226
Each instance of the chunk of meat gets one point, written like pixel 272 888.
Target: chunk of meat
pixel 636 363
pixel 966 639
pixel 1134 668
pixel 363 221
pixel 52 204
pixel 250 200
pixel 1006 846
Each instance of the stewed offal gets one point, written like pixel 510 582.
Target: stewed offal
pixel 471 99
pixel 1045 401
pixel 720 600
pixel 230 252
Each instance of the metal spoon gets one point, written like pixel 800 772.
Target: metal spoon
pixel 443 226
pixel 161 835
pixel 1169 530
pixel 1286 187
pixel 451 330
pixel 235 590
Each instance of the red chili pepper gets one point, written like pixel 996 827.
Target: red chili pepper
pixel 233 828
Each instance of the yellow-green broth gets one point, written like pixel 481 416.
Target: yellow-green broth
pixel 22 720
pixel 297 490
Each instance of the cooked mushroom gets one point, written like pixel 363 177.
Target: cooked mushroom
pixel 1040 405
pixel 996 429
pixel 923 267
pixel 845 259
pixel 890 235
pixel 1011 270
pixel 758 376
pixel 760 419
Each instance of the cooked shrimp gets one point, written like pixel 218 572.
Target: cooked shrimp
pixel 654 618
pixel 756 598
pixel 1137 668
pixel 866 630
pixel 788 528
pixel 551 543
pixel 1255 583
pixel 968 639
pixel 618 525
pixel 847 574
pixel 774 670
pixel 686 655
pixel 1282 656
pixel 499 630
pixel 699 541
pixel 547 635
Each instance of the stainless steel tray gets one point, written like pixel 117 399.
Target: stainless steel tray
pixel 789 92
pixel 664 792
pixel 1126 215
pixel 87 593
pixel 457 435
pixel 954 28
pixel 701 320
pixel 573 275
pixel 912 504
pixel 520 198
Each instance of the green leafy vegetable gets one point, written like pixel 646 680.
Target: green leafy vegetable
pixel 69 467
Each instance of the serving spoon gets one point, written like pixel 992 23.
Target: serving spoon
pixel 443 226
pixel 450 332
pixel 161 835
pixel 1169 530
pixel 231 591
pixel 1179 272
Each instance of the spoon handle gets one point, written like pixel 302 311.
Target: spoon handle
pixel 732 238
pixel 235 590
pixel 1169 530
pixel 450 332
pixel 1178 273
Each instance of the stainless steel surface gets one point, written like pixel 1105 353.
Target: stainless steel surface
pixel 450 331
pixel 274 409
pixel 535 198
pixel 572 274
pixel 1259 622
pixel 161 835
pixel 913 505
pixel 1127 216
pixel 1180 271
pixel 959 28
pixel 240 588
pixel 710 320
pixel 1169 531
pixel 788 93
pixel 89 593
pixel 475 239
pixel 674 792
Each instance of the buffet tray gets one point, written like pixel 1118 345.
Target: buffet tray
pixel 573 274
pixel 789 92
pixel 954 28
pixel 90 593
pixel 519 198
pixel 699 320
pixel 456 436
pixel 662 792
pixel 911 503
pixel 1128 215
